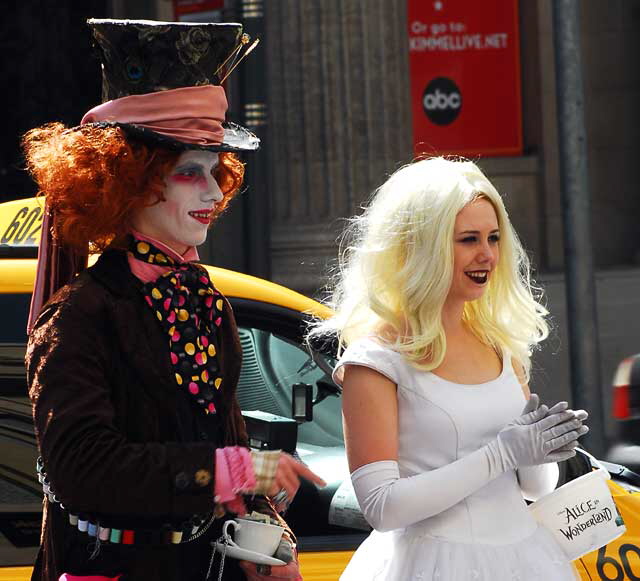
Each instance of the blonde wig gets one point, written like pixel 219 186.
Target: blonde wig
pixel 396 269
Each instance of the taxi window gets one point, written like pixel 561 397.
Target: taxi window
pixel 15 310
pixel 271 365
pixel 20 492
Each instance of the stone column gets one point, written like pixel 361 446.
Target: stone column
pixel 339 122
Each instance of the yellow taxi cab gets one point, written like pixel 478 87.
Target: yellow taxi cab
pixel 289 402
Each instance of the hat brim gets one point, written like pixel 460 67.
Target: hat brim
pixel 236 138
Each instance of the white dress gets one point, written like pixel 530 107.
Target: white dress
pixel 488 536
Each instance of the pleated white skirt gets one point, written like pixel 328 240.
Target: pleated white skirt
pixel 401 556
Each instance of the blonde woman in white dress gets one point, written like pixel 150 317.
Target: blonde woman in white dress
pixel 438 315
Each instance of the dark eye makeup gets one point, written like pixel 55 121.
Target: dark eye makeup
pixel 193 169
pixel 493 238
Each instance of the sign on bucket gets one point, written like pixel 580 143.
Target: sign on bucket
pixel 581 514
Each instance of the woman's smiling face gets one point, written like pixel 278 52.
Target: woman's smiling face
pixel 181 220
pixel 476 250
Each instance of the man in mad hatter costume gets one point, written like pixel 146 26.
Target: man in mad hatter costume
pixel 133 363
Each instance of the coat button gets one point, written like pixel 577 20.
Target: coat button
pixel 182 480
pixel 203 477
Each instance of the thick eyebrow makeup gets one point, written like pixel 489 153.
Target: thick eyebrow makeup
pixel 190 165
pixel 194 165
pixel 477 232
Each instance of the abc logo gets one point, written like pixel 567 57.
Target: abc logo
pixel 442 101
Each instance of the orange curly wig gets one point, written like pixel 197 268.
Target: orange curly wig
pixel 96 179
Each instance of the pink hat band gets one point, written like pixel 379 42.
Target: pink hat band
pixel 191 115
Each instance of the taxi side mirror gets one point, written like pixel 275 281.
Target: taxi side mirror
pixel 302 402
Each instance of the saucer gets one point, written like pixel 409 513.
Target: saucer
pixel 246 555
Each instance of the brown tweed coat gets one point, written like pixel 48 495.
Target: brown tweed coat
pixel 118 439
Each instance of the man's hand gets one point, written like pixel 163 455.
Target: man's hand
pixel 287 480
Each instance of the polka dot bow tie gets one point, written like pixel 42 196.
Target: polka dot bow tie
pixel 189 309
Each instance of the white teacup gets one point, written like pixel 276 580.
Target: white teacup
pixel 253 535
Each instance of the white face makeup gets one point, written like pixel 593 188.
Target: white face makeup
pixel 476 250
pixel 191 192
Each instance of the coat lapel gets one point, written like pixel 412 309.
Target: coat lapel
pixel 139 336
pixel 134 324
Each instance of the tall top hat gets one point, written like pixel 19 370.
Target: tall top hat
pixel 161 82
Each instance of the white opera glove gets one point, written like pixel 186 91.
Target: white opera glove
pixel 537 437
pixel 538 481
pixel 389 502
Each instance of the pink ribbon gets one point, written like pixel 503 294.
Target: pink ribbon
pixel 70 577
pixel 149 272
pixel 58 265
pixel 189 114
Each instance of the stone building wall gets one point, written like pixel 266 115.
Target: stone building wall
pixel 339 122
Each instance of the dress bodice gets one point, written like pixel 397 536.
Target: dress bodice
pixel 439 422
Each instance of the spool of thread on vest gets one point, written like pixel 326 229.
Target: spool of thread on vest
pixel 92 529
pixel 82 525
pixel 103 533
pixel 115 536
pixel 73 519
pixel 176 537
pixel 127 537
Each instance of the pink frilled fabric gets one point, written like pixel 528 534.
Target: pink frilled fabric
pixel 149 272
pixel 189 114
pixel 234 475
pixel 70 577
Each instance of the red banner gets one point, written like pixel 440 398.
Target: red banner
pixel 464 62
pixel 184 7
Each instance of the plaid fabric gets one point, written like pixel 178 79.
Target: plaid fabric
pixel 265 463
